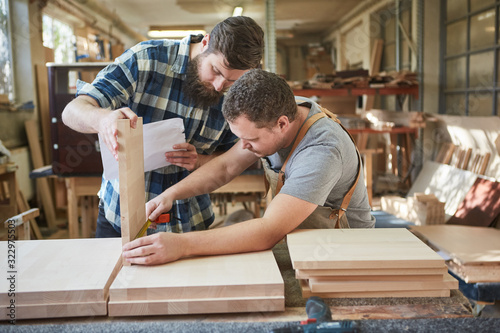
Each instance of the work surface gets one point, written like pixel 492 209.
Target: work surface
pixel 411 314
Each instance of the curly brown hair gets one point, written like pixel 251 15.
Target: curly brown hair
pixel 240 40
pixel 262 97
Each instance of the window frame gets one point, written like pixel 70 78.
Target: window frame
pixel 494 90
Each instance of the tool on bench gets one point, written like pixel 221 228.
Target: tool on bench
pixel 162 219
pixel 319 319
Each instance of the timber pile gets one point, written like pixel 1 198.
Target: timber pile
pixel 357 263
pixel 57 278
pixel 474 251
pixel 249 282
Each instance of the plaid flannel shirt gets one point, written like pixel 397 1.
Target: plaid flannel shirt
pixel 148 79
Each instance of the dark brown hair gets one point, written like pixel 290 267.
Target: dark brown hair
pixel 262 97
pixel 240 40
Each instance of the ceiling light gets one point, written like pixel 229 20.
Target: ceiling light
pixel 237 11
pixel 175 31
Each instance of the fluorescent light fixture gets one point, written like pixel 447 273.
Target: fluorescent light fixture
pixel 237 11
pixel 175 31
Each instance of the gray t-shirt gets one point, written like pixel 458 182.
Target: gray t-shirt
pixel 323 167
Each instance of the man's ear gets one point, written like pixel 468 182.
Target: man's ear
pixel 283 122
pixel 204 42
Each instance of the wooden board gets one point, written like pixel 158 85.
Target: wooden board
pixel 318 286
pixel 51 274
pixel 197 306
pixel 231 279
pixel 360 249
pixel 131 178
pixel 465 244
pixel 447 183
pixel 307 273
pixel 480 206
pixel 306 293
pixel 476 273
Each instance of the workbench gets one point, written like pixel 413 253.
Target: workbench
pixel 453 313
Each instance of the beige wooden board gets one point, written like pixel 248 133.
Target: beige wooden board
pixel 60 271
pixel 476 273
pixel 386 278
pixel 226 276
pixel 465 244
pixel 197 306
pixel 447 183
pixel 306 293
pixel 307 273
pixel 131 178
pixel 448 282
pixel 360 249
pixel 57 310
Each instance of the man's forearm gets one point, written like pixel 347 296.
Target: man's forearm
pixel 83 115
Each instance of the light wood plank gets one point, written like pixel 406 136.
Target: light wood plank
pixel 306 293
pixel 465 244
pixel 58 310
pixel 448 282
pixel 131 178
pixel 60 271
pixel 360 249
pixel 197 306
pixel 308 273
pixel 42 183
pixel 237 275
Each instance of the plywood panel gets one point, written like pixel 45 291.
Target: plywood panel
pixel 354 286
pixel 447 183
pixel 228 283
pixel 238 275
pixel 307 273
pixel 52 273
pixel 306 292
pixel 360 249
pixel 480 206
pixel 131 177
pixel 196 306
pixel 465 244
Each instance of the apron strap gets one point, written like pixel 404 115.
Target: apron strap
pixel 300 136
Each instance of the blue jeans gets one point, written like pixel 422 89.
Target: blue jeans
pixel 105 229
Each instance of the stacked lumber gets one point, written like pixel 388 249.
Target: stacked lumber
pixel 474 252
pixel 249 282
pixel 57 278
pixel 357 263
pixel 421 209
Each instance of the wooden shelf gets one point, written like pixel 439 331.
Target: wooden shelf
pixel 413 90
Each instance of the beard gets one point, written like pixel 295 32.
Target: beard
pixel 200 93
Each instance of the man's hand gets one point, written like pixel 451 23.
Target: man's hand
pixel 108 127
pixel 155 207
pixel 186 157
pixel 155 249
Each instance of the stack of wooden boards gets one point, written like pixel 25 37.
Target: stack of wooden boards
pixel 356 263
pixel 57 278
pixel 72 278
pixel 249 282
pixel 474 252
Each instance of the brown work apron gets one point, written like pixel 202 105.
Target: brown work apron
pixel 322 217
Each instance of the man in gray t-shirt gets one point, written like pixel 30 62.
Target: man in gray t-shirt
pixel 311 164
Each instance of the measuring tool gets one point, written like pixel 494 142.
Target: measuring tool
pixel 162 219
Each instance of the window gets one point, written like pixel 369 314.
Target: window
pixel 470 60
pixel 6 76
pixel 397 53
pixel 59 37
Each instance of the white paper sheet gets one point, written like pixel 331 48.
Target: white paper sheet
pixel 158 137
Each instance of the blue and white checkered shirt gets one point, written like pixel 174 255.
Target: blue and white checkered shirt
pixel 148 79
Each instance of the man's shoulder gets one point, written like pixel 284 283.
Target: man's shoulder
pixel 154 48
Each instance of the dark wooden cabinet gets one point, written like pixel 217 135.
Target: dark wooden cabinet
pixel 73 153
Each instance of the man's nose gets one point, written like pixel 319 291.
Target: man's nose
pixel 219 83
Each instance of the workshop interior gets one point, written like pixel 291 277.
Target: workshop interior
pixel 415 83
